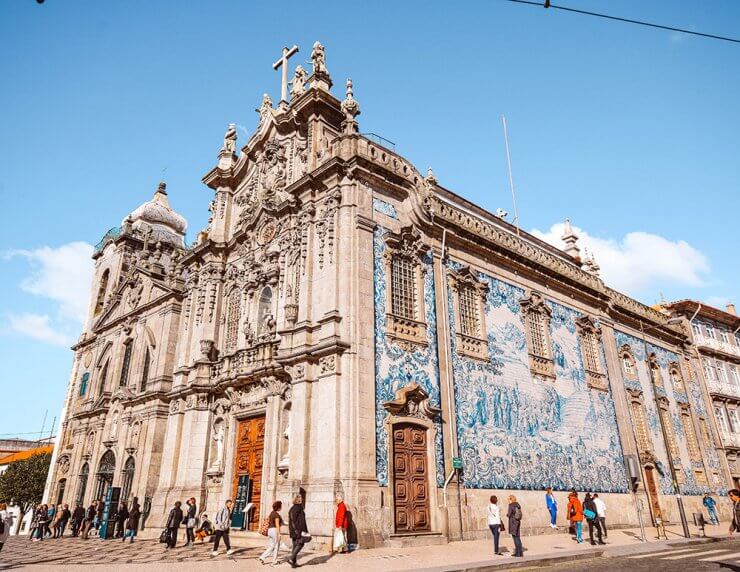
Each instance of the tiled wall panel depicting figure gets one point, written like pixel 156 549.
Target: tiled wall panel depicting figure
pixel 396 367
pixel 675 396
pixel 517 431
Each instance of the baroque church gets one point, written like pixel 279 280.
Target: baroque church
pixel 347 325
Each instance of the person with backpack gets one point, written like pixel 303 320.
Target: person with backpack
pixel 173 525
pixel 514 515
pixel 132 522
pixel 592 517
pixel 273 522
pixel 575 515
pixel 495 523
pixel 222 524
pixel 298 529
pixel 552 507
pixel 191 522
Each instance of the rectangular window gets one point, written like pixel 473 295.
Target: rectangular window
pixel 591 352
pixel 628 365
pixel 638 415
pixel 403 288
pixel 696 327
pixel 469 321
pixel 724 336
pixel 670 434
pixel 145 372
pixel 126 364
pixel 709 370
pixel 721 372
pixel 538 335
pixel 710 331
pixel 83 383
pixel 734 423
pixel 737 340
pixel 719 413
pixel 691 440
pixel 735 375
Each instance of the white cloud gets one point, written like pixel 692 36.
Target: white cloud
pixel 718 301
pixel 37 326
pixel 640 261
pixel 62 274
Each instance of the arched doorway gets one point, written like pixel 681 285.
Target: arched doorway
pixel 106 470
pixel 411 501
pixel 128 478
pixel 82 483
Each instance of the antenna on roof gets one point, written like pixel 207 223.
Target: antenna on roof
pixel 511 178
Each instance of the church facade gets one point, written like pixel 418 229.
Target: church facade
pixel 345 325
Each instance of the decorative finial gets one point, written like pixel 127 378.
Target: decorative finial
pixel 430 178
pixel 162 188
pixel 230 140
pixel 298 83
pixel 351 109
pixel 570 238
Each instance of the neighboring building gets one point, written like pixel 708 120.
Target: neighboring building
pixel 716 336
pixel 37 449
pixel 347 325
pixel 10 446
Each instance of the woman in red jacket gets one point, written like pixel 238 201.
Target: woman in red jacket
pixel 340 527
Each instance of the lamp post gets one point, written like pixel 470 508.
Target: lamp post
pixel 679 500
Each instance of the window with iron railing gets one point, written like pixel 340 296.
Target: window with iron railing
pixel 691 440
pixel 126 364
pixel 469 319
pixel 641 430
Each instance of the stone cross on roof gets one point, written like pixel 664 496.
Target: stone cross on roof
pixel 283 62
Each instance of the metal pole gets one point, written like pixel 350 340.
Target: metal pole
pixel 511 178
pixel 459 504
pixel 679 500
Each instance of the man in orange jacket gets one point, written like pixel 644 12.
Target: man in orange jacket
pixel 575 514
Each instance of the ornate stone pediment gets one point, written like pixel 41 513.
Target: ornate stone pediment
pixel 412 401
pixel 122 394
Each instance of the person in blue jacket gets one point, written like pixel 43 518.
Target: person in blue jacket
pixel 711 505
pixel 552 506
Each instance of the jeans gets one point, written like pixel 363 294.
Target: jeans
pixel 579 530
pixel 297 546
pixel 591 525
pixel 713 515
pixel 222 534
pixel 553 515
pixel 273 546
pixel 190 535
pixel 518 548
pixel 86 526
pixel 495 530
pixel 171 537
pixel 602 522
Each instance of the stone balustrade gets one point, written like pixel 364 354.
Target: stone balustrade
pixel 730 439
pixel 723 388
pixel 245 362
pixel 718 345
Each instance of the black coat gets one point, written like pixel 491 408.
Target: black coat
pixel 122 515
pixel 65 515
pixel 175 518
pixel 133 518
pixel 90 514
pixel 514 523
pixel 78 515
pixel 297 521
pixel 590 505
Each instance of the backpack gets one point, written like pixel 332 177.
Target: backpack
pixel 265 526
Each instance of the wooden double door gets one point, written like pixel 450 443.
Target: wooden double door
pixel 410 479
pixel 247 482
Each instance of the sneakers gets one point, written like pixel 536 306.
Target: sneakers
pixel 214 553
pixel 229 551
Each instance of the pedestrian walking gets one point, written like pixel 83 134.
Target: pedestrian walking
pixel 173 525
pixel 42 523
pixel 298 529
pixel 275 521
pixel 63 516
pixel 34 522
pixel 100 507
pixel 514 514
pixel 191 522
pixel 121 518
pixel 89 521
pixel 339 543
pixel 494 523
pixel 592 517
pixel 6 521
pixel 78 517
pixel 601 512
pixel 575 515
pixel 221 524
pixel 51 512
pixel 734 495
pixel 711 505
pixel 205 529
pixel 552 507
pixel 132 522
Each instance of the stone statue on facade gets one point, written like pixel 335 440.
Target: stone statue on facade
pixel 230 139
pixel 318 59
pixel 298 84
pixel 219 431
pixel 265 109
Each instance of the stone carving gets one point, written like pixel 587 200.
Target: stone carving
pixel 298 84
pixel 134 436
pixel 114 425
pixel 351 109
pixel 327 364
pixel 412 401
pixel 318 59
pixel 230 140
pixel 264 110
pixel 272 172
pixel 207 348
pixel 174 406
pixel 219 432
pixel 64 465
pixel 274 387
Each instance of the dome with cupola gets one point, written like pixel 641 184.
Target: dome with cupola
pixel 156 214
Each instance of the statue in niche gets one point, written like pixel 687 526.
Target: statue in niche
pixel 230 139
pixel 114 426
pixel 298 84
pixel 273 171
pixel 318 59
pixel 219 430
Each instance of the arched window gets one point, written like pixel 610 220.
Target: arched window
pixel 265 308
pixel 232 318
pixel 83 383
pixel 589 334
pixel 676 380
pixel 60 490
pixel 629 366
pixel 128 478
pixel 101 291
pixel 82 483
pixel 106 470
pixel 103 378
pixel 537 325
pixel 126 365
pixel 655 370
pixel 145 372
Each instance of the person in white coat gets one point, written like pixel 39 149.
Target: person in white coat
pixel 495 523
pixel 6 521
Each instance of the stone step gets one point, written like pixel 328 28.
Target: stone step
pixel 415 539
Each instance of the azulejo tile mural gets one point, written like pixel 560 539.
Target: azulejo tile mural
pixel 674 396
pixel 395 367
pixel 387 209
pixel 519 432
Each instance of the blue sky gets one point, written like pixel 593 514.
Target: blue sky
pixel 631 132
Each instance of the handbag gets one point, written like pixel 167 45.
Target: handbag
pixel 589 514
pixel 305 537
pixel 265 526
pixel 340 542
pixel 163 537
pixel 191 523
